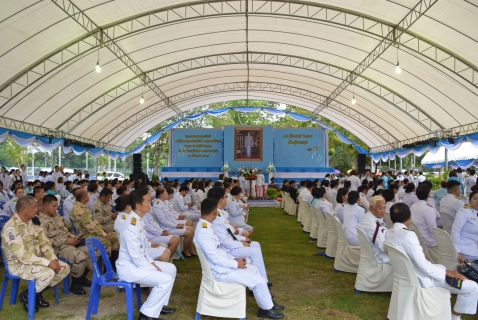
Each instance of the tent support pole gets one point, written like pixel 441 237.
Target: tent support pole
pixel 401 165
pixel 446 159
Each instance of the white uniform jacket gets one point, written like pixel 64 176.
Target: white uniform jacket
pixel 178 204
pixel 68 204
pixel 133 263
pixel 306 195
pixel 221 225
pixel 9 207
pixel 406 240
pixel 161 212
pixel 375 231
pixel 353 213
pixel 425 217
pixel 465 232
pixel 339 212
pixel 236 213
pixel 451 204
pixel 324 206
pixel 219 261
pixel 409 199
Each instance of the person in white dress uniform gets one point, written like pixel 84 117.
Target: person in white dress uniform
pixel 182 208
pixel 236 211
pixel 465 230
pixel 353 213
pixel 342 197
pixel 228 268
pixel 3 194
pixel 10 207
pixel 363 190
pixel 135 265
pixel 410 198
pixel 154 250
pixel 306 192
pixel 425 217
pixel 470 181
pixel 451 202
pixel 320 201
pixel 355 181
pixel 231 242
pixel 260 180
pixel 375 229
pixel 429 275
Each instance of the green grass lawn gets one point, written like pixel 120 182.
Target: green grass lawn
pixel 304 283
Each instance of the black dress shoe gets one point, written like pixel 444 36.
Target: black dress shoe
pixel 166 310
pixel 85 282
pixel 277 307
pixel 24 299
pixel 40 302
pixel 77 289
pixel 145 317
pixel 270 314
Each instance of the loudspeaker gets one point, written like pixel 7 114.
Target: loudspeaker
pixel 361 163
pixel 137 163
pixel 136 176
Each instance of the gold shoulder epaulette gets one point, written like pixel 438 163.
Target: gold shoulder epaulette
pixel 133 221
pixel 123 217
pixel 467 207
pixel 157 202
pixel 204 225
pixel 218 213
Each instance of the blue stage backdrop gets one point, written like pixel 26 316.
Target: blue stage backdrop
pixel 196 148
pixel 299 147
pixel 266 143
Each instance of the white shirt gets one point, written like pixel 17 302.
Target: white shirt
pixel 9 207
pixel 469 182
pixel 4 196
pixel 409 199
pixel 306 195
pixel 421 178
pixel 354 182
pixel 465 232
pixel 331 194
pixel 178 204
pixel 369 195
pixel 353 213
pixel 339 212
pixel 364 202
pixel 406 240
pixel 324 206
pixel 425 217
pixel 451 204
pixel 375 231
pixel 260 180
pixel 68 204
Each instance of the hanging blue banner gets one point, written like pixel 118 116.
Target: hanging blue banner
pixel 297 147
pixel 197 148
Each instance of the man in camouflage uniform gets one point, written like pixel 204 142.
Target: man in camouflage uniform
pixel 88 226
pixel 64 243
pixel 29 253
pixel 102 210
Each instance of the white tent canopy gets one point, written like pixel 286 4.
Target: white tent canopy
pixel 199 52
pixel 467 151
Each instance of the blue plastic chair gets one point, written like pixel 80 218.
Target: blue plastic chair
pixel 66 281
pixel 14 290
pixel 109 279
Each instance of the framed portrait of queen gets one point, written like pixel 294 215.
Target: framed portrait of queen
pixel 248 143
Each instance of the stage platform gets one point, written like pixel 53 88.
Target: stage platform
pixel 263 204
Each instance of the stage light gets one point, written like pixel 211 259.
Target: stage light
pixel 353 100
pixel 398 69
pixel 98 68
pixel 141 100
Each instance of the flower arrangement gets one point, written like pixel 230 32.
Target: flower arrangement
pixel 270 168
pixel 225 168
pixel 248 171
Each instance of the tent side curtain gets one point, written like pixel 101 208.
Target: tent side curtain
pixel 24 139
pixel 420 150
pixel 218 112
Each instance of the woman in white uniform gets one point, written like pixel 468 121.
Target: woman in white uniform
pixel 235 211
pixel 342 196
pixel 410 198
pixel 201 192
pixel 363 190
pixel 465 230
pixel 320 201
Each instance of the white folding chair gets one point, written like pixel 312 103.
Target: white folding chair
pixel 332 238
pixel 447 255
pixel 314 228
pixel 306 216
pixel 219 299
pixel 322 234
pixel 447 221
pixel 347 257
pixel 411 301
pixel 300 214
pixel 371 275
pixel 430 253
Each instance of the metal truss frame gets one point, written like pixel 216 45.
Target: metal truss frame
pixel 102 38
pixel 438 134
pixel 245 86
pixel 12 124
pixel 412 16
pixel 212 8
pixel 391 97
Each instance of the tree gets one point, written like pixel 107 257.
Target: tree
pixel 19 155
